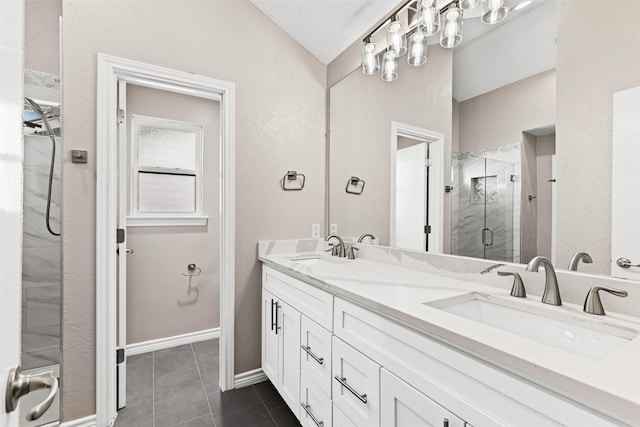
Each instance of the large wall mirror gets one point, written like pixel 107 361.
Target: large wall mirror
pixel 493 101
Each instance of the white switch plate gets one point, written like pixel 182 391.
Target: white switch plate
pixel 315 231
pixel 334 229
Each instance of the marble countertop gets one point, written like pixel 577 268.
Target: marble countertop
pixel 611 385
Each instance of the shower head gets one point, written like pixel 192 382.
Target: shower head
pixel 38 110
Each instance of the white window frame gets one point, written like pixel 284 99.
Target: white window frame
pixel 148 219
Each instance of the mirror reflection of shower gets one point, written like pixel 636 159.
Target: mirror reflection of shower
pixel 35 119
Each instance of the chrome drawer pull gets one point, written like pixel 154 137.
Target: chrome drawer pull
pixel 320 360
pixel 343 381
pixel 307 409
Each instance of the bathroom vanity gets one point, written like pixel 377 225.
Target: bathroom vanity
pixel 401 338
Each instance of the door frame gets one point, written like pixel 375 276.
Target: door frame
pixel 11 167
pixel 111 70
pixel 436 181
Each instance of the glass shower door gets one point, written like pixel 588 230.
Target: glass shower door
pixel 497 234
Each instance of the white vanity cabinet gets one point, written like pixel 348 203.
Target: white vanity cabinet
pixel 281 348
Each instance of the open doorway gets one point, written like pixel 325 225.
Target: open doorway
pixel 417 188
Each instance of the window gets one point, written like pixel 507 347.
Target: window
pixel 166 172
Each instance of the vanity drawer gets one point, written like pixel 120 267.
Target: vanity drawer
pixel 340 419
pixel 315 353
pixel 356 384
pixel 315 405
pixel 309 300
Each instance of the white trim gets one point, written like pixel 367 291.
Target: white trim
pixel 111 70
pixel 436 181
pixel 166 221
pixel 174 341
pixel 89 421
pixel 248 378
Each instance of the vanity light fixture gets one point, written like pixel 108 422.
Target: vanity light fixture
pixel 431 19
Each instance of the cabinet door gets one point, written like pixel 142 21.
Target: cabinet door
pixel 340 419
pixel 270 348
pixel 401 405
pixel 288 328
pixel 356 384
pixel 315 357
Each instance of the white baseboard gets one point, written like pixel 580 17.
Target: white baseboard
pixel 89 421
pixel 162 343
pixel 249 378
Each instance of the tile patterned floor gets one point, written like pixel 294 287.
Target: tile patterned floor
pixel 179 387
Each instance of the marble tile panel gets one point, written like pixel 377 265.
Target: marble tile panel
pixel 43 306
pixel 41 266
pixel 35 233
pixel 37 151
pixel 36 182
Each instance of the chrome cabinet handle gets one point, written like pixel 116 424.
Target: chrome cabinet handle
pixel 273 322
pixel 625 263
pixel 307 409
pixel 320 360
pixel 343 381
pixel 19 385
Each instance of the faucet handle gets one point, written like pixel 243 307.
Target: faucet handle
pixel 593 304
pixel 352 252
pixel 333 249
pixel 517 290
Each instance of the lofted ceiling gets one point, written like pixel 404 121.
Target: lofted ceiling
pixel 491 56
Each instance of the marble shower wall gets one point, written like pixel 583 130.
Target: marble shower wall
pixel 492 175
pixel 40 252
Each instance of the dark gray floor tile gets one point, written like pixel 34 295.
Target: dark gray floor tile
pixel 173 360
pixel 208 346
pixel 211 381
pixel 179 397
pixel 284 417
pixel 139 409
pixel 239 408
pixel 205 421
pixel 269 395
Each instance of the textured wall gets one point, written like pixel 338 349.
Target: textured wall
pixel 545 149
pixel 158 302
pixel 362 109
pixel 592 65
pixel 499 117
pixel 42 35
pixel 280 117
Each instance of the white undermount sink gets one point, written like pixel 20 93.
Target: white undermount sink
pixel 584 335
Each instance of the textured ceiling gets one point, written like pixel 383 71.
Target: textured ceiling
pixel 325 27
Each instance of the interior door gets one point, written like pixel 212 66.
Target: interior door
pixel 625 193
pixel 412 197
pixel 121 265
pixel 11 58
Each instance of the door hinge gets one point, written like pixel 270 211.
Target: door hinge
pixel 120 235
pixel 427 229
pixel 119 355
pixel 121 115
pixel 428 162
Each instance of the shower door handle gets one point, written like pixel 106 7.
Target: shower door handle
pixel 487 232
pixel 19 385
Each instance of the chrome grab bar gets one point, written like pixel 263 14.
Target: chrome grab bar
pixel 320 360
pixel 307 409
pixel 343 381
pixel 19 385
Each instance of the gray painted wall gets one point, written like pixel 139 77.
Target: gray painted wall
pixel 592 65
pixel 280 125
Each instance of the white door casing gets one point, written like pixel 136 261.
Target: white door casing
pixel 112 70
pixel 11 75
pixel 625 193
pixel 436 181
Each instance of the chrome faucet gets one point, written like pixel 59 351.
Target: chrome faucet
pixel 365 235
pixel 339 249
pixel 593 304
pixel 551 293
pixel 579 256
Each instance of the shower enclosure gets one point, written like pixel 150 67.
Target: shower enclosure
pixel 41 250
pixel 483 208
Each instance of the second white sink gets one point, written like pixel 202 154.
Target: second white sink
pixel 593 339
